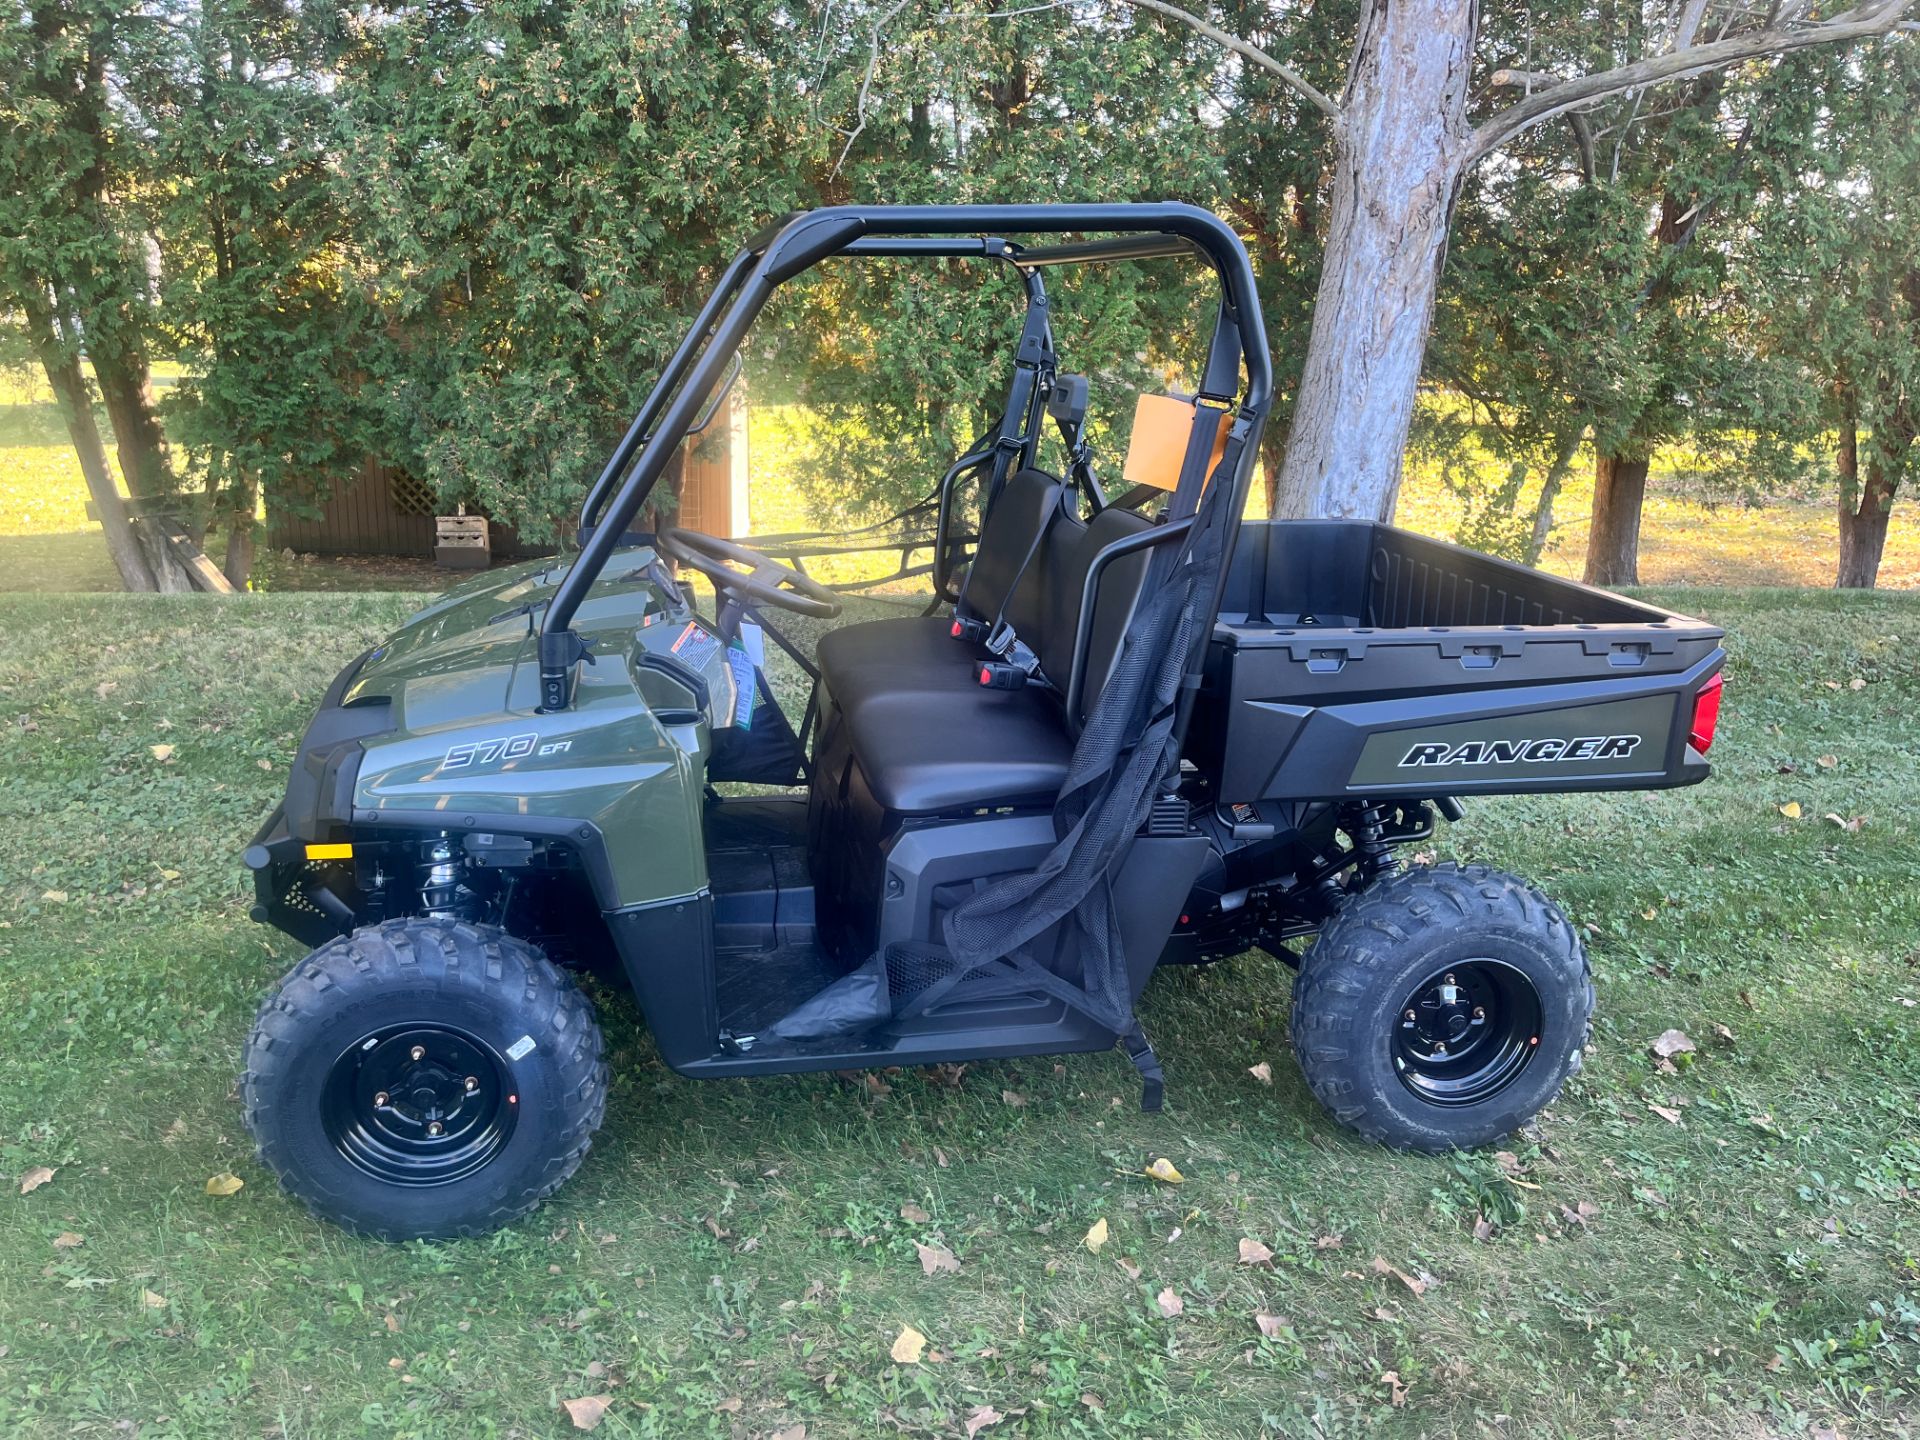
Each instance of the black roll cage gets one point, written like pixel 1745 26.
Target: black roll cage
pixel 798 242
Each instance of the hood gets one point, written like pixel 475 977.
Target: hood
pixel 471 652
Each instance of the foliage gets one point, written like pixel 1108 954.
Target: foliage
pixel 1830 271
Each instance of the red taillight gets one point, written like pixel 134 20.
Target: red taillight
pixel 1706 715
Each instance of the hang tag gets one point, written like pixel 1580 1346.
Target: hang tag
pixel 740 664
pixel 755 639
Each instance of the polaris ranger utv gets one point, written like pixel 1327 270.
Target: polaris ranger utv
pixel 1139 730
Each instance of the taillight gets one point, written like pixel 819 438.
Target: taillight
pixel 1706 715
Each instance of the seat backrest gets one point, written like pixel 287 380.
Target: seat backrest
pixel 1004 582
pixel 1072 546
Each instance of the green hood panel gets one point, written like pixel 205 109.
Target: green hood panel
pixel 461 678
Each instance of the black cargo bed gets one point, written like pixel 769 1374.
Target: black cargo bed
pixel 1354 658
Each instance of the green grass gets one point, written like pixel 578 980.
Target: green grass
pixel 1753 1270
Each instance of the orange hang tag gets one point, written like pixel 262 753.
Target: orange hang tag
pixel 1162 425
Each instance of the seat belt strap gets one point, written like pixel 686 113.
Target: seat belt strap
pixel 1153 1080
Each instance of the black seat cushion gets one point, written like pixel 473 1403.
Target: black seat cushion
pixel 929 737
pixel 916 654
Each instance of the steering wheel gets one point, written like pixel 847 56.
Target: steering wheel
pixel 764 581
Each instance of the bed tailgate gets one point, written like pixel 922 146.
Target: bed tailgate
pixel 1534 709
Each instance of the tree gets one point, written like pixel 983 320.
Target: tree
pixel 1407 129
pixel 1832 296
pixel 542 193
pixel 67 263
pixel 957 106
pixel 260 296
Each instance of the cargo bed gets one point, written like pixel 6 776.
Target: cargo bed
pixel 1352 658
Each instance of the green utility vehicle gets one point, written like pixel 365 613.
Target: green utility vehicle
pixel 1132 731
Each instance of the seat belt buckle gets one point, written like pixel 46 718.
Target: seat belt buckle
pixel 968 631
pixel 999 675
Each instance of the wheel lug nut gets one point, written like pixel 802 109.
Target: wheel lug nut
pixel 1440 1047
pixel 435 1127
pixel 380 1098
pixel 419 1052
pixel 1410 1015
pixel 473 1084
pixel 1450 980
pixel 1479 1012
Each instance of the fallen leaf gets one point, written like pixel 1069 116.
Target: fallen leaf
pixel 939 1157
pixel 1096 1235
pixel 1580 1213
pixel 1851 826
pixel 588 1411
pixel 54 897
pixel 1747 1000
pixel 980 1418
pixel 1014 1098
pixel 1263 1072
pixel 1856 683
pixel 731 1405
pixel 790 1432
pixel 1381 1267
pixel 1827 762
pixel 1092 1401
pixel 1128 1268
pixel 1170 1304
pixel 1482 1228
pixel 1722 1033
pixel 913 1212
pixel 1672 1117
pixel 1671 1043
pixel 1252 1252
pixel 1791 810
pixel 1271 1326
pixel 1396 1391
pixel 935 1258
pixel 908 1346
pixel 225 1184
pixel 1329 1242
pixel 35 1178
pixel 1162 1169
pixel 67 1240
pixel 152 1300
pixel 160 752
pixel 1507 1161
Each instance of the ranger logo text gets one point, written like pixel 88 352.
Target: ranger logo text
pixel 1509 752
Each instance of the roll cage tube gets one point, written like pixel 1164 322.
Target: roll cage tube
pixel 804 240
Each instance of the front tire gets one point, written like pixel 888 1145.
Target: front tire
pixel 1442 1008
pixel 423 1079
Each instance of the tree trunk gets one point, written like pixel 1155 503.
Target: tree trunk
pixel 1550 491
pixel 76 406
pixel 1273 459
pixel 126 387
pixel 1396 172
pixel 1864 510
pixel 240 527
pixel 1613 544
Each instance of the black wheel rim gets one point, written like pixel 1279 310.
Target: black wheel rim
pixel 1466 1032
pixel 419 1105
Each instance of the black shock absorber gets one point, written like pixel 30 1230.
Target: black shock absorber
pixel 1373 856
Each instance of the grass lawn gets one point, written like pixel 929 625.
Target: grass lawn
pixel 736 1258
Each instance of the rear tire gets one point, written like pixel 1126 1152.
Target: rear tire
pixel 423 1079
pixel 1442 1008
